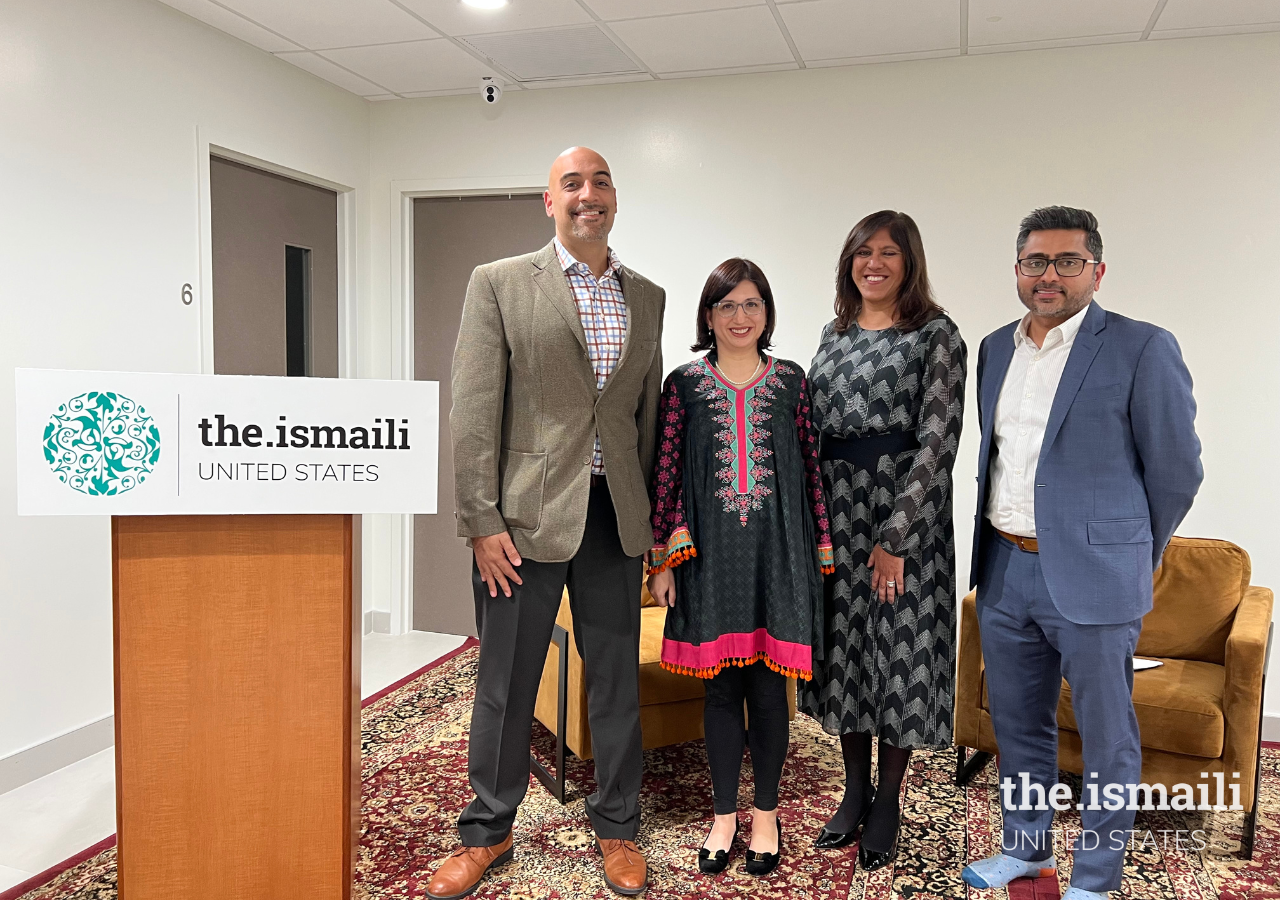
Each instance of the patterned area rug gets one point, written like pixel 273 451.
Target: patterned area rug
pixel 415 783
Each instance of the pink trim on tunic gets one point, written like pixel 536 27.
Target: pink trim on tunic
pixel 737 646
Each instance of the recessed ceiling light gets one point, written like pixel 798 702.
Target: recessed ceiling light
pixel 486 4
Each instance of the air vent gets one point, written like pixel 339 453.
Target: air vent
pixel 554 53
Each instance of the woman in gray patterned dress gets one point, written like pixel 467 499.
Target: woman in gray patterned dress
pixel 888 394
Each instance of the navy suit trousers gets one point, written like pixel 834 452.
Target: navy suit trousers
pixel 1028 648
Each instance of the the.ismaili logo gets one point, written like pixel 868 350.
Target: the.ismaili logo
pixel 101 443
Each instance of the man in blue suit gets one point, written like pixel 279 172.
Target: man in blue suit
pixel 1089 461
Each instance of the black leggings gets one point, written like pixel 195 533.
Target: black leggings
pixel 765 692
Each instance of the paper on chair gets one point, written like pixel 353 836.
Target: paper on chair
pixel 1139 663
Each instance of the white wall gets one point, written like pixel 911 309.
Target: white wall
pixel 1171 143
pixel 100 101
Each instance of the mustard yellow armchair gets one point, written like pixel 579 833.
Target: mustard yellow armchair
pixel 1200 711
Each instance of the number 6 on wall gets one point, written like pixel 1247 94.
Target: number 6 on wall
pixel 187 296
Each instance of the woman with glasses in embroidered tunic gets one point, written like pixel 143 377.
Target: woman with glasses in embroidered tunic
pixel 888 393
pixel 741 541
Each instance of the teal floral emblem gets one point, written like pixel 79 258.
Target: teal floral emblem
pixel 101 444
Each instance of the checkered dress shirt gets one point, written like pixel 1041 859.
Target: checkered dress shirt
pixel 603 313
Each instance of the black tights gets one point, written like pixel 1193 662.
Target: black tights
pixel 882 821
pixel 765 692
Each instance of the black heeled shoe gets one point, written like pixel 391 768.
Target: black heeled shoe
pixel 763 863
pixel 830 840
pixel 714 864
pixel 870 860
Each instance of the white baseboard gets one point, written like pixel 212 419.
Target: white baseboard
pixel 27 765
pixel 1271 727
pixel 377 621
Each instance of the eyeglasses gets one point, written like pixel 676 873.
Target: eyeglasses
pixel 727 309
pixel 1066 266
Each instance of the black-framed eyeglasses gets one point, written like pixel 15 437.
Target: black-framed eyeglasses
pixel 1065 266
pixel 727 309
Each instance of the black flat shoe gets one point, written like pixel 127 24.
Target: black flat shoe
pixel 763 863
pixel 830 840
pixel 714 864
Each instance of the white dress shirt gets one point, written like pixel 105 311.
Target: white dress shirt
pixel 1022 412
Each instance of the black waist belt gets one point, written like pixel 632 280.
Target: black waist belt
pixel 865 452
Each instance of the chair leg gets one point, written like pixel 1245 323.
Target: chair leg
pixel 556 786
pixel 1250 830
pixel 1251 818
pixel 969 765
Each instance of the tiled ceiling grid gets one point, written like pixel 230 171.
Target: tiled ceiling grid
pixel 389 49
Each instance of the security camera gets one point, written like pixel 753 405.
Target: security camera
pixel 490 90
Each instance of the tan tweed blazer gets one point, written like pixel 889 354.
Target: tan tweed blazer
pixel 526 409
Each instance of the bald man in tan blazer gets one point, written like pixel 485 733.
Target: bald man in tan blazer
pixel 556 378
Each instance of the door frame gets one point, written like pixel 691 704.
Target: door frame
pixel 397 531
pixel 209 144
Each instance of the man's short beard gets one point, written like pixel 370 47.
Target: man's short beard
pixel 588 232
pixel 1067 308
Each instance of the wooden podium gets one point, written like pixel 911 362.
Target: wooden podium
pixel 237 707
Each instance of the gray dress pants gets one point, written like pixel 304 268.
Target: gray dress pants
pixel 515 632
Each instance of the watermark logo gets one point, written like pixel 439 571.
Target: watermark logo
pixel 1122 796
pixel 101 444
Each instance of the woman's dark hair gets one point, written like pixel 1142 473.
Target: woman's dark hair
pixel 916 305
pixel 723 279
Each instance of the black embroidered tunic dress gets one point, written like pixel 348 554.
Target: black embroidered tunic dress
pixel 888 667
pixel 738 513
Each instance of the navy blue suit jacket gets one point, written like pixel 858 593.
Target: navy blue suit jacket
pixel 1118 469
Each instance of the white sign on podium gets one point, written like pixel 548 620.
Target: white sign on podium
pixel 121 443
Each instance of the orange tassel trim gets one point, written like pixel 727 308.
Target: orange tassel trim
pixel 826 559
pixel 679 548
pixel 673 560
pixel 713 671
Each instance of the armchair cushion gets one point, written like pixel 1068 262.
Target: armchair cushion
pixel 1179 707
pixel 1197 589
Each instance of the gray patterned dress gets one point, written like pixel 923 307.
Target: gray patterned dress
pixel 888 667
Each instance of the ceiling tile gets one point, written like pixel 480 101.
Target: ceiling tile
pixel 553 53
pixel 437 65
pixel 736 70
pixel 639 9
pixel 1200 14
pixel 420 95
pixel 319 24
pixel 1091 41
pixel 452 17
pixel 832 29
pixel 888 57
pixel 232 24
pixel 590 79
pixel 335 74
pixel 707 40
pixel 1024 21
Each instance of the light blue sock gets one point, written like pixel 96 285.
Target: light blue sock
pixel 997 871
pixel 1075 893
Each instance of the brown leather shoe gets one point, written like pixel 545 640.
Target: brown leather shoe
pixel 624 867
pixel 461 872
